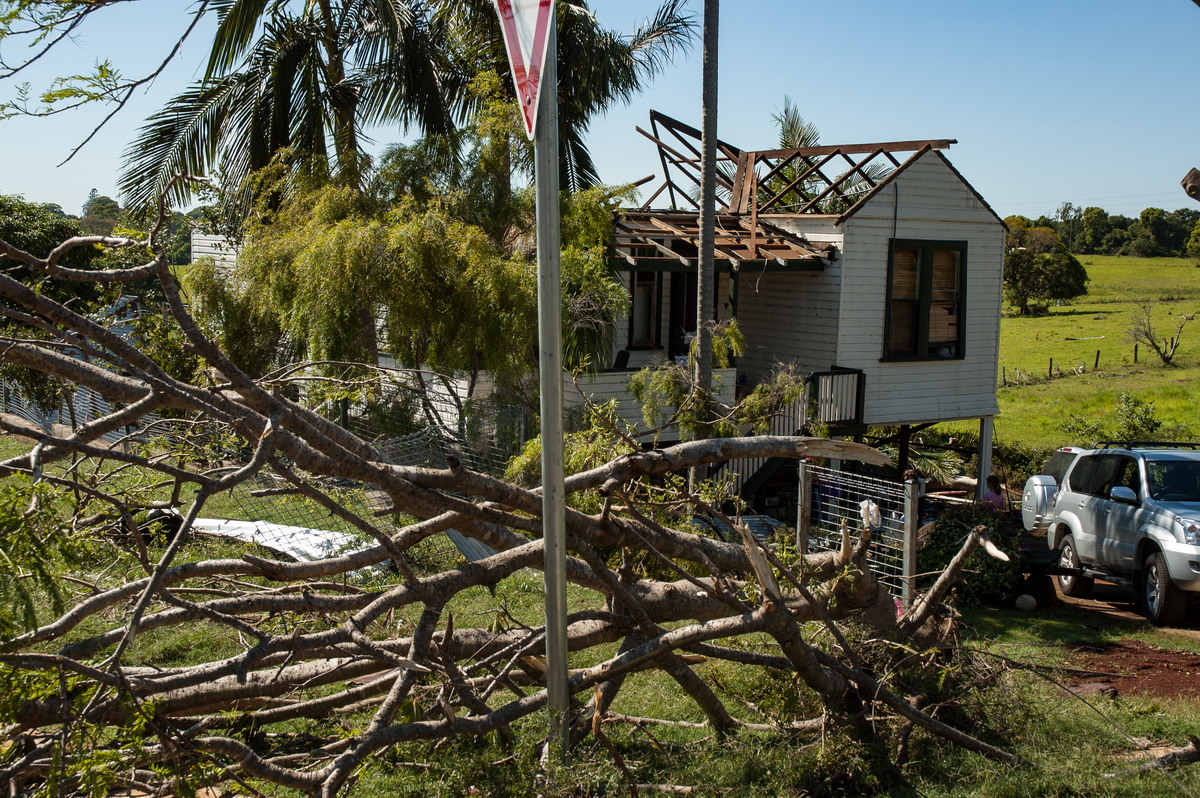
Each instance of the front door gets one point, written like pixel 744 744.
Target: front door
pixel 682 321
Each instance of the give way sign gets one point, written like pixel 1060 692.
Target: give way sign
pixel 526 25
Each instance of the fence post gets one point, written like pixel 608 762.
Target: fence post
pixel 803 506
pixel 912 520
pixel 1097 365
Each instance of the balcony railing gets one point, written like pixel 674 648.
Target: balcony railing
pixel 609 385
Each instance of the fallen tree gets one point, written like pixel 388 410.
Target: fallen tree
pixel 384 653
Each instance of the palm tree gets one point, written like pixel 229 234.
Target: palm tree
pixel 597 68
pixel 311 81
pixel 796 132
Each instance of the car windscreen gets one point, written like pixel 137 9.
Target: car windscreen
pixel 1174 480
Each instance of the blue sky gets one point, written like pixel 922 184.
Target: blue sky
pixel 1094 102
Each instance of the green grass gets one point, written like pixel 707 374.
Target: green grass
pixel 1040 398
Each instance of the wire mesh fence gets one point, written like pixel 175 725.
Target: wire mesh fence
pixel 836 496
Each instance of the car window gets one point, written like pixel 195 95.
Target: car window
pixel 1093 474
pixel 1057 465
pixel 1126 474
pixel 1174 480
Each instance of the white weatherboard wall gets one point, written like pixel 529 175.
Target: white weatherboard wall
pixel 791 317
pixel 216 247
pixel 933 203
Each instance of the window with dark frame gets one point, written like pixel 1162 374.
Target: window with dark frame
pixel 926 289
pixel 644 314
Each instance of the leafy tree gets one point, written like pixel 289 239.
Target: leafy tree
pixel 178 244
pixel 430 260
pixel 1038 268
pixel 100 214
pixel 1179 225
pixel 1193 244
pixel 310 81
pixel 1068 217
pixel 37 229
pixel 1094 226
pixel 1147 234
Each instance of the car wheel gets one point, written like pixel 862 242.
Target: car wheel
pixel 1163 603
pixel 1074 586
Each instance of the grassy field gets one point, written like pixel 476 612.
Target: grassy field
pixel 1040 396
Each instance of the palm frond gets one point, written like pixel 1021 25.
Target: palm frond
pixel 795 130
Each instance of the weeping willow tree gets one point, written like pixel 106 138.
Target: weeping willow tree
pixel 431 264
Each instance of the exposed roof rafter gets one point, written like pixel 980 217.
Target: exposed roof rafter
pixel 829 180
pixel 670 241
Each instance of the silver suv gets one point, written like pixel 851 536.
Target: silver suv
pixel 1127 512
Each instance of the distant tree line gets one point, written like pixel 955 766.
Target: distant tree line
pixel 1094 231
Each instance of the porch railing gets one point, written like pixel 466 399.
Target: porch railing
pixel 833 397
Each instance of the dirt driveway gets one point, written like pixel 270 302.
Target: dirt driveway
pixel 1132 666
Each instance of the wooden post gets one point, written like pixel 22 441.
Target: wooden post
pixel 1135 353
pixel 803 506
pixel 1050 371
pixel 1096 366
pixel 1003 377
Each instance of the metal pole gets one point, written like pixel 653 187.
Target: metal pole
pixel 912 521
pixel 545 143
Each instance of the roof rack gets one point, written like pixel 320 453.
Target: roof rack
pixel 1145 445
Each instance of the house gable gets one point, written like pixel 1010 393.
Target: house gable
pixel 928 200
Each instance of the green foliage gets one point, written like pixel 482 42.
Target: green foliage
pixel 986 580
pixel 1092 231
pixel 250 334
pixel 596 443
pixel 593 299
pixel 34 545
pixel 160 338
pixel 669 395
pixel 1042 277
pixel 279 74
pixel 1133 419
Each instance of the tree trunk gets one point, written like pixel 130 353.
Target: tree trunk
pixel 708 201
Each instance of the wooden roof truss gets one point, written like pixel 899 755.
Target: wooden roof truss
pixel 801 180
pixel 670 241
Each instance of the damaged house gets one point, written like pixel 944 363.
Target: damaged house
pixel 875 269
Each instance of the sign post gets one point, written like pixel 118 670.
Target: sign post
pixel 529 35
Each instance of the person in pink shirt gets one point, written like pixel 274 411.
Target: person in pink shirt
pixel 993 497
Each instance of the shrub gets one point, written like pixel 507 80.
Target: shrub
pixel 986 579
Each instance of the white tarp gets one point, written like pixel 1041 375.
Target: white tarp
pixel 298 542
